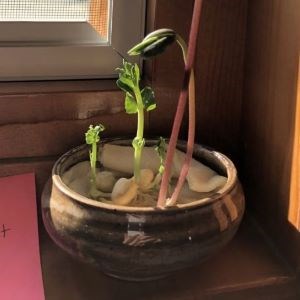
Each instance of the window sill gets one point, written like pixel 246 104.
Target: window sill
pixel 59 86
pixel 248 268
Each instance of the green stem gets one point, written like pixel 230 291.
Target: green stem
pixel 180 41
pixel 93 163
pixel 138 142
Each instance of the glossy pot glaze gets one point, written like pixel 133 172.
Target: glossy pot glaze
pixel 135 243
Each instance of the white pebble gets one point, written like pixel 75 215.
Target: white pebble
pixel 105 181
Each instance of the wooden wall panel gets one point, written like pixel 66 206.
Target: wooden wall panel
pixel 47 124
pixel 45 107
pixel 37 125
pixel 272 58
pixel 56 137
pixel 219 70
pixel 62 86
pixel 46 119
pixel 167 69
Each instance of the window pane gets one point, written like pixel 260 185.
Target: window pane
pixel 47 41
pixel 93 11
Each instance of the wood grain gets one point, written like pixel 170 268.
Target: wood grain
pixel 272 58
pixel 45 107
pixel 167 69
pixel 47 118
pixel 58 136
pixel 219 71
pixel 52 86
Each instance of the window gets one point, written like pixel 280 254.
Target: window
pixel 66 39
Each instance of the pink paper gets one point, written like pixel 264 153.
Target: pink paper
pixel 21 277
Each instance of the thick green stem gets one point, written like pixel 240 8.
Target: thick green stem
pixel 138 142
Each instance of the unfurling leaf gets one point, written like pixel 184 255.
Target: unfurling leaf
pixel 158 33
pixel 130 104
pixel 158 47
pixel 148 98
pixel 154 43
pixel 138 49
pixel 129 77
pixel 92 135
pixel 125 84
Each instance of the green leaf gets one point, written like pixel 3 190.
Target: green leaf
pixel 148 98
pixel 124 87
pixel 129 77
pixel 92 135
pixel 157 47
pixel 137 74
pixel 154 43
pixel 130 104
pixel 127 67
pixel 89 139
pixel 161 148
pixel 127 80
pixel 138 49
pixel 160 33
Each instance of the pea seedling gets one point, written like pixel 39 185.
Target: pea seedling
pixel 136 101
pixel 92 137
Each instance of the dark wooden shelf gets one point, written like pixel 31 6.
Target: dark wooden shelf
pixel 248 268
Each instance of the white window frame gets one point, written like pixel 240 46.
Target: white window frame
pixel 25 53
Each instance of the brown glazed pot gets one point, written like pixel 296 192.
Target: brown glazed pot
pixel 135 243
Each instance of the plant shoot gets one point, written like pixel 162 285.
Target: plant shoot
pixel 136 102
pixel 153 44
pixel 92 137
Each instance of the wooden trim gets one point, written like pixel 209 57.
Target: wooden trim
pixel 57 86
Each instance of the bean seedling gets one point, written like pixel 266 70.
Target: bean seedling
pixel 153 44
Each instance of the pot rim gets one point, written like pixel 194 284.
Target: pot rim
pixel 226 189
